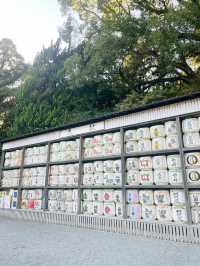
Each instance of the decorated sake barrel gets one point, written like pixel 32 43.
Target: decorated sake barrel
pixel 108 179
pixel 38 204
pixel 116 137
pixel 171 128
pixel 157 131
pixel 172 142
pixel 192 159
pixel 52 194
pixel 195 198
pixel 190 125
pixel 146 177
pixel 132 164
pixel 87 195
pixel 87 207
pixel 164 213
pixel 161 177
pixel 97 195
pixel 158 144
pixel 161 197
pixel 107 149
pixel 98 166
pixel 52 205
pixel 177 196
pixel 175 177
pixel 107 195
pixel 88 168
pixel 116 149
pixel 97 140
pixel 88 179
pixel 60 194
pixel 193 176
pixel 88 152
pixel 118 210
pixel 145 163
pixel 109 209
pixel 191 139
pixel 134 211
pixel 117 196
pixel 131 146
pixel 179 214
pixel 108 138
pixel 148 212
pixel 98 179
pixel 117 179
pixel 133 177
pixel 195 215
pixel 100 150
pixel 88 143
pixel 146 197
pixel 24 204
pixel 144 145
pixel 132 196
pixel 108 166
pixel 159 162
pixel 143 133
pixel 98 208
pixel 130 135
pixel 117 165
pixel 174 161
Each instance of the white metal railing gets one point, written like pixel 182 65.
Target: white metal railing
pixel 166 231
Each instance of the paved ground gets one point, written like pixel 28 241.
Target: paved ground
pixel 25 243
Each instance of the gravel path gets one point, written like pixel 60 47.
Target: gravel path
pixel 26 243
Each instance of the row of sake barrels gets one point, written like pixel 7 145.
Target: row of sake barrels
pixel 10 178
pixel 34 176
pixel 35 155
pixel 8 199
pixel 102 145
pixel 32 199
pixel 191 128
pixel 13 158
pixel 63 200
pixel 65 150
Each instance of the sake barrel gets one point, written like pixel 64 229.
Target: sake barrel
pixel 158 144
pixel 134 211
pixel 108 195
pixel 172 142
pixel 118 209
pixel 193 176
pixel 88 168
pixel 14 204
pixel 109 209
pixel 107 149
pixel 67 194
pixel 190 125
pixel 145 163
pixel 174 161
pixel 195 215
pixel 148 212
pixel 108 138
pixel 157 131
pixel 37 204
pixel 161 197
pixel 171 128
pixel 97 195
pixel 164 213
pixel 116 137
pixel 87 207
pixel 108 166
pixel 116 149
pixel 97 140
pixel 143 133
pixel 117 179
pixel 146 197
pixel 52 205
pixel 30 204
pixel 132 164
pixel 177 196
pixel 108 179
pixel 98 208
pixel 117 166
pixel 133 177
pixel 24 204
pixel 31 194
pixel 131 147
pixel 24 194
pixel 159 162
pixel 100 150
pixel 191 139
pixel 117 196
pixel 192 159
pixel 175 177
pixel 161 177
pixel 69 206
pixel 195 198
pixel 132 196
pixel 146 177
pixel 87 195
pixel 130 135
pixel 179 214
pixel 88 152
pixel 88 142
pixel 98 179
pixel 98 167
pixel 144 145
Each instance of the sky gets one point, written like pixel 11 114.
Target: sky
pixel 31 24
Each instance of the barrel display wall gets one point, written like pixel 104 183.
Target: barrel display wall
pixel 148 171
